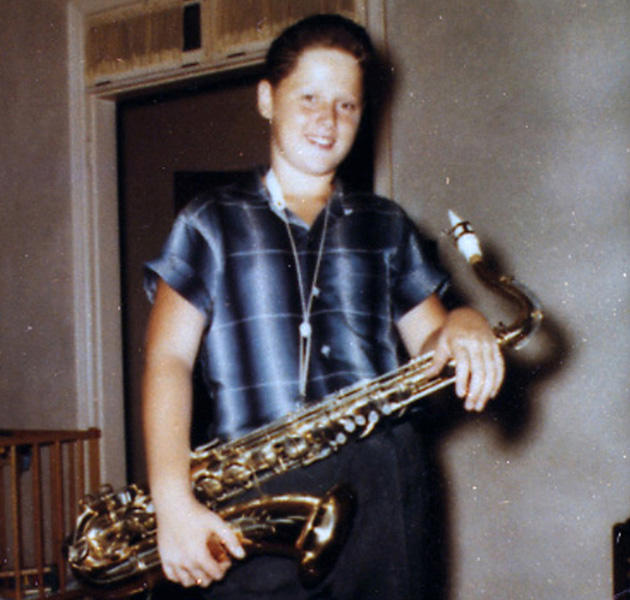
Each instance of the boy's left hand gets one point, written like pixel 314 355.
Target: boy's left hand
pixel 467 338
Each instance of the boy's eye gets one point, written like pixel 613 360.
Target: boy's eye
pixel 348 107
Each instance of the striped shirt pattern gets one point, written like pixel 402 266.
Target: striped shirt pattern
pixel 229 255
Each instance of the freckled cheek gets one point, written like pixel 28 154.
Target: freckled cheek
pixel 299 121
pixel 349 126
pixel 349 123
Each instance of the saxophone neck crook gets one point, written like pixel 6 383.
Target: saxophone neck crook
pixel 529 315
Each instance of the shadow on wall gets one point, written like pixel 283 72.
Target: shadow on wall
pixel 512 414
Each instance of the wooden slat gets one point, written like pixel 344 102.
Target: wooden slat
pixel 94 465
pixel 132 38
pixel 38 519
pixel 56 475
pixel 81 491
pixel 47 512
pixel 4 534
pixel 16 518
pixel 26 437
pixel 72 481
pixel 245 25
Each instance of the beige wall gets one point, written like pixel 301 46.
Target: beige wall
pixel 514 113
pixel 37 375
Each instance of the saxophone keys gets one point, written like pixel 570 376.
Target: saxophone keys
pixel 236 474
pixel 348 425
pixel 372 419
pixel 77 551
pixel 341 438
pixel 211 486
pixel 360 420
pixel 295 447
pixel 268 456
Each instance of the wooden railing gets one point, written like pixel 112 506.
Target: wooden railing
pixel 43 474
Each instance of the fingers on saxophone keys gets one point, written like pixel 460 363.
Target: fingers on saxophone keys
pixel 499 363
pixel 187 579
pixel 213 570
pixel 201 575
pixel 169 573
pixel 495 370
pixel 486 377
pixel 180 575
pixel 202 579
pixel 463 371
pixel 225 539
pixel 473 392
pixel 481 381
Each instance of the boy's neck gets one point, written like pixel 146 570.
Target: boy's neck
pixel 304 195
pixel 307 208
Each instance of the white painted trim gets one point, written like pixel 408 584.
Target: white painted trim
pixel 82 287
pixel 93 185
pixel 376 24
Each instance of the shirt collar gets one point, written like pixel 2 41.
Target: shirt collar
pixel 273 195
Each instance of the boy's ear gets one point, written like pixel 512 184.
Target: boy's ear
pixel 265 99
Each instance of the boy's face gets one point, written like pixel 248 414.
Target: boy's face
pixel 315 111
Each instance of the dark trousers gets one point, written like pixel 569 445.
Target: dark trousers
pixel 383 556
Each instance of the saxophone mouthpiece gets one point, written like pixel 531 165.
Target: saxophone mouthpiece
pixel 464 236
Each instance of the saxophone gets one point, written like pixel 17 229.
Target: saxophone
pixel 113 551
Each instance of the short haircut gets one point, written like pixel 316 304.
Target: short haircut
pixel 319 31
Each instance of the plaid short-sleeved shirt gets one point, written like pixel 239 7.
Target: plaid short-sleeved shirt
pixel 229 254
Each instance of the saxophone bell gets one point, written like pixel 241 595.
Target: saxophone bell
pixel 311 529
pixel 325 535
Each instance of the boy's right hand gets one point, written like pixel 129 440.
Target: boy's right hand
pixel 196 546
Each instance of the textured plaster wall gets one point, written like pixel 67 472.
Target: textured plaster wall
pixel 516 115
pixel 37 378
